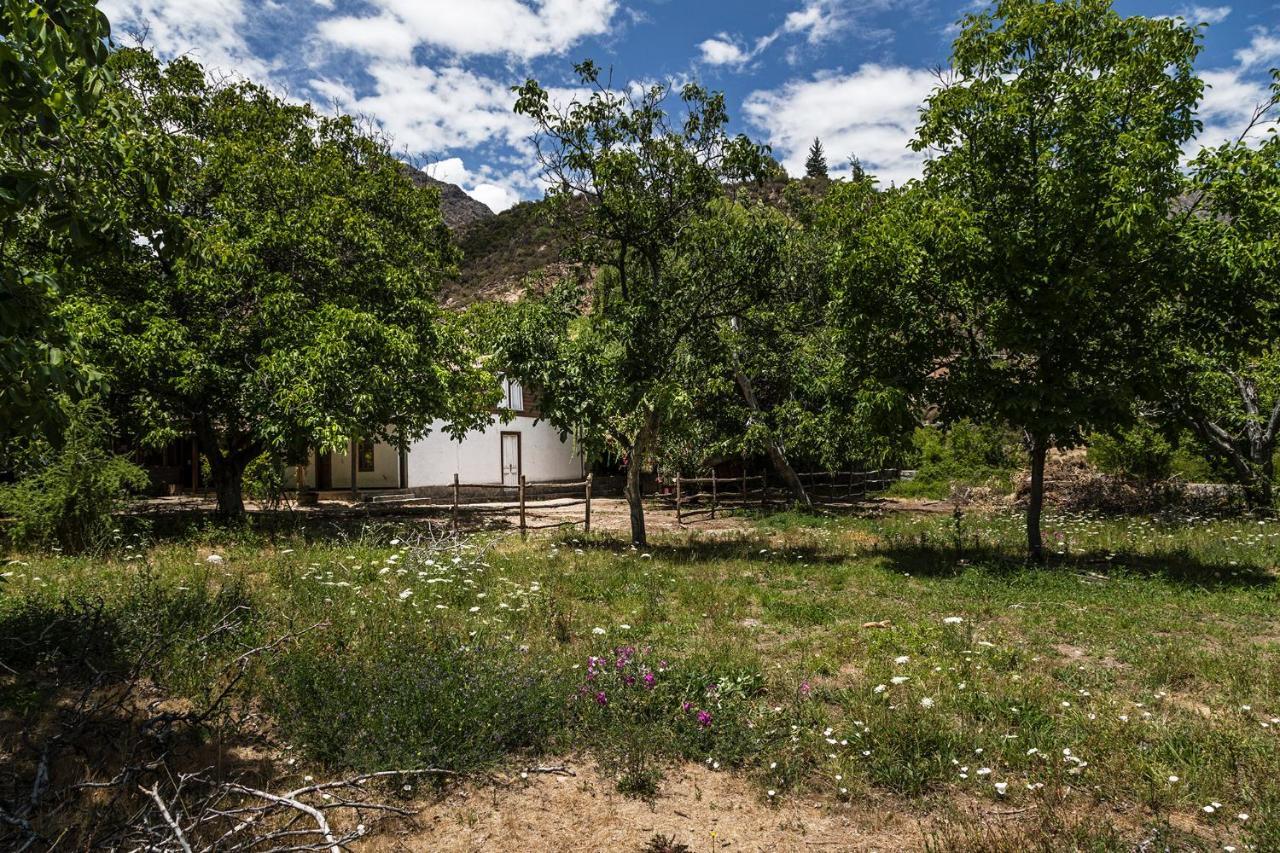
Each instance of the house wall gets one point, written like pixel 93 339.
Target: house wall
pixel 478 458
pixel 385 473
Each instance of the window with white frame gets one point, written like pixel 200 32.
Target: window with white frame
pixel 513 395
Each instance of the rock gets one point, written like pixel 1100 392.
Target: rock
pixel 214 560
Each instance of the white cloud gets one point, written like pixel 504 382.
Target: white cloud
pixel 722 51
pixel 210 31
pixel 378 35
pixel 818 20
pixel 871 114
pixel 1203 14
pixel 1263 49
pixel 1232 94
pixel 523 29
pixel 497 192
pixel 432 109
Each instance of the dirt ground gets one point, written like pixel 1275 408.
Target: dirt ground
pixel 607 514
pixel 697 806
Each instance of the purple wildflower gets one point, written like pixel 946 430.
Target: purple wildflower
pixel 602 699
pixel 704 719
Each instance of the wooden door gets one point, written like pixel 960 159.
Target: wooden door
pixel 324 471
pixel 511 459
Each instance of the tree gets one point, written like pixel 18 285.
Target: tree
pixel 772 378
pixel 1055 144
pixel 856 170
pixel 815 165
pixel 629 180
pixel 281 295
pixel 1219 374
pixel 51 56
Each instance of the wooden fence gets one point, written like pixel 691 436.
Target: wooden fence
pixel 564 493
pixel 712 493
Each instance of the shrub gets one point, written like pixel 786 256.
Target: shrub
pixel 414 700
pixel 264 480
pixel 67 493
pixel 965 453
pixel 1140 452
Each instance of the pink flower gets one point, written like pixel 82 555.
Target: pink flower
pixel 686 706
pixel 649 680
pixel 602 699
pixel 704 718
pixel 805 688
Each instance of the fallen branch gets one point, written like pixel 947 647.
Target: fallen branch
pixel 154 793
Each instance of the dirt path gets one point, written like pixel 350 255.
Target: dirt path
pixel 607 514
pixel 697 806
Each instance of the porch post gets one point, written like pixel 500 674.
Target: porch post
pixel 355 489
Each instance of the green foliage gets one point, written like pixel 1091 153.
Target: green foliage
pixel 415 699
pixel 629 180
pixel 51 55
pixel 283 294
pixel 264 480
pixel 1219 372
pixel 965 453
pixel 1017 278
pixel 67 492
pixel 1140 452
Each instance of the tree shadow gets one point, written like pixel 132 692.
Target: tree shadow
pixel 745 545
pixel 85 726
pixel 1179 567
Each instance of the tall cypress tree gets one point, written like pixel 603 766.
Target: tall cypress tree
pixel 816 164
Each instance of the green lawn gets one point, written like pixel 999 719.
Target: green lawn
pixel 1127 692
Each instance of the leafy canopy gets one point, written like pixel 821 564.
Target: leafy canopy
pixel 51 75
pixel 281 295
pixel 630 180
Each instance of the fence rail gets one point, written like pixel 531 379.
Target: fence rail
pixel 713 493
pixel 523 490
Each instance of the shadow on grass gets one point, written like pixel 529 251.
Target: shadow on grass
pixel 84 723
pixel 1178 567
pixel 744 545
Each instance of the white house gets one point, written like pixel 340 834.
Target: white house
pixel 496 455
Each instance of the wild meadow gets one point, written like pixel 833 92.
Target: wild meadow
pixel 1125 694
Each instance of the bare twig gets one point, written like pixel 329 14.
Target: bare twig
pixel 154 793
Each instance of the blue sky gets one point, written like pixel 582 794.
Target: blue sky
pixel 435 74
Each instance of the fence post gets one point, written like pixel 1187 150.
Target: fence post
pixel 587 521
pixel 764 489
pixel 523 527
pixel 678 519
pixel 744 488
pixel 455 503
pixel 713 493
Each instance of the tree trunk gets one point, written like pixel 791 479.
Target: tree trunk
pixel 635 501
pixel 776 455
pixel 635 458
pixel 1259 493
pixel 228 484
pixel 1035 506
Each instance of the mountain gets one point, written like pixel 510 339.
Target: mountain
pixel 460 210
pixel 500 252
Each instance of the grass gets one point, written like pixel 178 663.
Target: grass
pixel 1147 650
